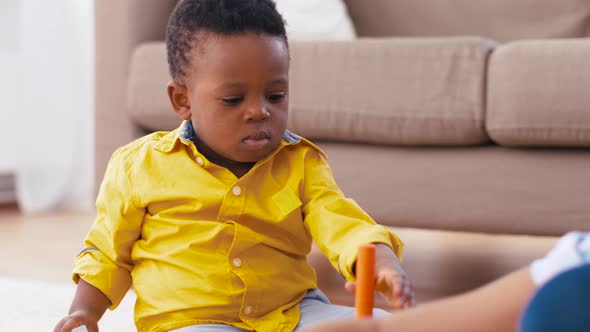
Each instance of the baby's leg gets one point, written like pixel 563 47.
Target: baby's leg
pixel 561 304
pixel 316 308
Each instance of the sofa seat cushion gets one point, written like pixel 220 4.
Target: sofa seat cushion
pixel 539 93
pixel 480 189
pixel 390 91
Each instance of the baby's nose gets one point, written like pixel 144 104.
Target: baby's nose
pixel 258 113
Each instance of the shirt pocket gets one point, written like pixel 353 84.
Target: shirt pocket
pixel 286 201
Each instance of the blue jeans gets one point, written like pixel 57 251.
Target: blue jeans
pixel 561 305
pixel 315 307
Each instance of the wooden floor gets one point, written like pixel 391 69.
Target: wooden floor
pixel 40 246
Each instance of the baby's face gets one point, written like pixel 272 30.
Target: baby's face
pixel 238 91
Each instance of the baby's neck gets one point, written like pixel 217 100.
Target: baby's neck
pixel 238 168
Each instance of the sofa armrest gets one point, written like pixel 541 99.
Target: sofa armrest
pixel 120 26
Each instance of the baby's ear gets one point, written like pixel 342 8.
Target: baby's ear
pixel 177 93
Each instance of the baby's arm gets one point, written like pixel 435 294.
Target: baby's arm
pixel 87 308
pixel 339 226
pixel 103 269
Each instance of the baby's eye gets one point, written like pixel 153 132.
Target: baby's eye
pixel 276 97
pixel 232 101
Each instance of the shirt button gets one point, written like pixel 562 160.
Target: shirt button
pixel 248 310
pixel 200 161
pixel 236 190
pixel 237 262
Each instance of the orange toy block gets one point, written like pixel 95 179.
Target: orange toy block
pixel 365 282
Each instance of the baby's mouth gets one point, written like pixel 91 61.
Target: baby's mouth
pixel 259 139
pixel 258 135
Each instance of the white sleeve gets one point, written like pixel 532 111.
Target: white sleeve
pixel 572 250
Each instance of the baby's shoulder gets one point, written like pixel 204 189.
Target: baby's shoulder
pixel 143 146
pixel 300 144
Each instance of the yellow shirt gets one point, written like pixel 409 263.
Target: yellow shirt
pixel 201 246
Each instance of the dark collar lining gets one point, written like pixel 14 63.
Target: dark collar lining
pixel 187 132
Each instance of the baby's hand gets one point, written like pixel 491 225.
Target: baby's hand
pixel 76 321
pixel 393 285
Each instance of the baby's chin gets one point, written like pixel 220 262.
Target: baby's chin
pixel 255 151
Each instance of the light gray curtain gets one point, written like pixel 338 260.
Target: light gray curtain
pixel 55 126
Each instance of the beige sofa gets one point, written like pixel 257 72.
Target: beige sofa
pixel 476 150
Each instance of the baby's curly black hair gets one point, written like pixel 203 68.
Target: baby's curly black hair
pixel 224 17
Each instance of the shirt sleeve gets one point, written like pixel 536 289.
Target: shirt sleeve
pixel 105 262
pixel 338 224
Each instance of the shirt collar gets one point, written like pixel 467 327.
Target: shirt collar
pixel 186 134
pixel 187 131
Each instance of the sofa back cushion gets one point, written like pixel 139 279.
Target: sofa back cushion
pixel 390 91
pixel 501 20
pixel 539 94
